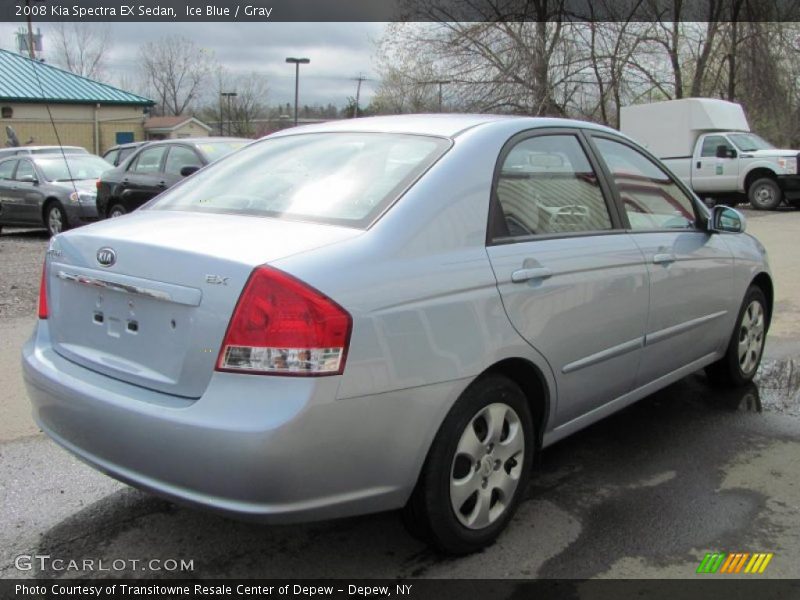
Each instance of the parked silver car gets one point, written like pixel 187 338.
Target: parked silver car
pixel 55 190
pixel 391 312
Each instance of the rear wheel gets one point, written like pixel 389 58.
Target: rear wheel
pixel 741 360
pixel 55 219
pixel 477 469
pixel 117 210
pixel 764 194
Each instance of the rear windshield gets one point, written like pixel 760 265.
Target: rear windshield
pixel 74 168
pixel 339 178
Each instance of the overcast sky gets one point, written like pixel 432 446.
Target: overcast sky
pixel 338 53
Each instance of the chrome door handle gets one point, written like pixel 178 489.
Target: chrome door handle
pixel 527 274
pixel 661 259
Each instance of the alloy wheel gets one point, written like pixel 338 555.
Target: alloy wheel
pixel 55 221
pixel 487 466
pixel 751 337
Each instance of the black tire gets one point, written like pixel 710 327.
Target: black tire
pixel 731 370
pixel 117 210
pixel 55 219
pixel 795 203
pixel 430 513
pixel 764 194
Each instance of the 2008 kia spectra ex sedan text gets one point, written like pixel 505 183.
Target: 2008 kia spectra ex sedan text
pixel 386 312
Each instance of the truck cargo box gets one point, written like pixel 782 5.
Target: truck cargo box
pixel 670 129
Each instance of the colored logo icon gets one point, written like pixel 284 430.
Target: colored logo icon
pixel 735 562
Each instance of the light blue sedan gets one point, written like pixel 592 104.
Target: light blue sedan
pixel 390 312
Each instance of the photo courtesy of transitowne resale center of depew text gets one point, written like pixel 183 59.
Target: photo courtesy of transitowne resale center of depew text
pixel 405 299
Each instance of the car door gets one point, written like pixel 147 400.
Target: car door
pixel 179 156
pixel 27 192
pixel 8 212
pixel 691 270
pixel 143 178
pixel 573 282
pixel 713 174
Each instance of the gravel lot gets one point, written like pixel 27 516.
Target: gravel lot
pixel 21 256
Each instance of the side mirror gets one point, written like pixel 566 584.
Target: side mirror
pixel 725 152
pixel 188 170
pixel 29 179
pixel 727 219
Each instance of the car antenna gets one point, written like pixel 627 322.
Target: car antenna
pixel 34 64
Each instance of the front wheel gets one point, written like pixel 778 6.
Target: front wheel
pixel 764 194
pixel 477 469
pixel 741 360
pixel 56 219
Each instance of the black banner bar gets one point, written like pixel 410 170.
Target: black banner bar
pixel 397 10
pixel 704 587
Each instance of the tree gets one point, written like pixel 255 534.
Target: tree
pixel 82 48
pixel 238 116
pixel 175 69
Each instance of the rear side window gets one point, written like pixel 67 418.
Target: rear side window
pixel 149 161
pixel 340 178
pixel 179 157
pixel 7 169
pixel 111 156
pixel 124 153
pixel 651 199
pixel 25 171
pixel 546 185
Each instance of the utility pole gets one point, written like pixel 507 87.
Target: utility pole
pixel 440 83
pixel 297 62
pixel 229 96
pixel 360 79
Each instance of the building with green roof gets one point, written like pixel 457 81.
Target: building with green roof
pixel 85 112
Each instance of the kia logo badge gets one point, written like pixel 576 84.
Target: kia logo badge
pixel 106 257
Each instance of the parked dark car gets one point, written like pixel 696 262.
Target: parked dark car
pixel 53 190
pixel 116 155
pixel 156 167
pixel 19 150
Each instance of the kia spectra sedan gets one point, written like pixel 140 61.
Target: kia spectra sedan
pixel 383 313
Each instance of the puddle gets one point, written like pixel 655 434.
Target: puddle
pixel 777 386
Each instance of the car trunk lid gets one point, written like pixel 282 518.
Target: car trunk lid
pixel 147 298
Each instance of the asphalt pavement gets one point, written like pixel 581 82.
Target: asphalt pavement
pixel 645 493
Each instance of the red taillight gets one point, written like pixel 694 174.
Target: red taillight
pixel 43 293
pixel 281 326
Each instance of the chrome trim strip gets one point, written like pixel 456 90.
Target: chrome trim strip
pixel 117 287
pixel 663 334
pixel 606 354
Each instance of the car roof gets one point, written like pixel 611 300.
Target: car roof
pixel 42 147
pixel 444 125
pixel 125 145
pixel 199 140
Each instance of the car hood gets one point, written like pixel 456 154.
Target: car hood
pixel 772 153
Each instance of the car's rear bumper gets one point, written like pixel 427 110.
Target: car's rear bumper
pixel 277 449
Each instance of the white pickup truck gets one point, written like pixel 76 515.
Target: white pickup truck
pixel 708 144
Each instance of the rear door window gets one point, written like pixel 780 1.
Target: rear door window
pixel 25 171
pixel 546 185
pixel 149 161
pixel 179 157
pixel 7 169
